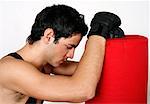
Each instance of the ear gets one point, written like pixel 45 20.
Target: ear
pixel 48 35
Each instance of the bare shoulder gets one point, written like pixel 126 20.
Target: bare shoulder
pixel 10 64
pixel 12 70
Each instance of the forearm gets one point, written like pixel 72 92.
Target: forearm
pixel 89 69
pixel 67 68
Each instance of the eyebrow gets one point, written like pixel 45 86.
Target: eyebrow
pixel 73 45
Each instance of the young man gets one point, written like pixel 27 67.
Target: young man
pixel 55 34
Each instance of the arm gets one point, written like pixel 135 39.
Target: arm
pixel 91 63
pixel 80 87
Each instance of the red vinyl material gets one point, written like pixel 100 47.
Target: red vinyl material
pixel 125 72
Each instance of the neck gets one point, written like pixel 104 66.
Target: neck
pixel 33 55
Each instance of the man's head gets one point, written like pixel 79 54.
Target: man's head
pixel 64 21
pixel 60 28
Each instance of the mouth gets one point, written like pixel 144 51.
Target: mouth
pixel 63 60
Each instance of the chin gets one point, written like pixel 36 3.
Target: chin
pixel 56 65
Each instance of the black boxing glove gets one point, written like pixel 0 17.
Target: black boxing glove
pixel 104 24
pixel 116 33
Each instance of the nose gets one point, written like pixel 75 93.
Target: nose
pixel 70 53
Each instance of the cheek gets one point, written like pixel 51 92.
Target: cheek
pixel 61 51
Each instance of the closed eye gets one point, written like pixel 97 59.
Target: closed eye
pixel 69 47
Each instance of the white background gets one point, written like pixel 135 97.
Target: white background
pixel 17 17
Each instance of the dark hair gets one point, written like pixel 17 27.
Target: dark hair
pixel 64 21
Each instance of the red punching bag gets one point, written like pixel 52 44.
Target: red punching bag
pixel 125 72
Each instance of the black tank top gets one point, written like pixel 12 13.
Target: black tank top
pixel 30 100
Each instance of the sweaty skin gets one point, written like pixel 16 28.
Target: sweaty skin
pixel 73 82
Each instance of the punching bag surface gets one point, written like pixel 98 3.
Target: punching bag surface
pixel 125 72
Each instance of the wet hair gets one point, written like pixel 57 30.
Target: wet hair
pixel 64 20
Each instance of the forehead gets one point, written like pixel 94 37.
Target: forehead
pixel 74 39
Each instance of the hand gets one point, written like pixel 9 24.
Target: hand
pixel 105 24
